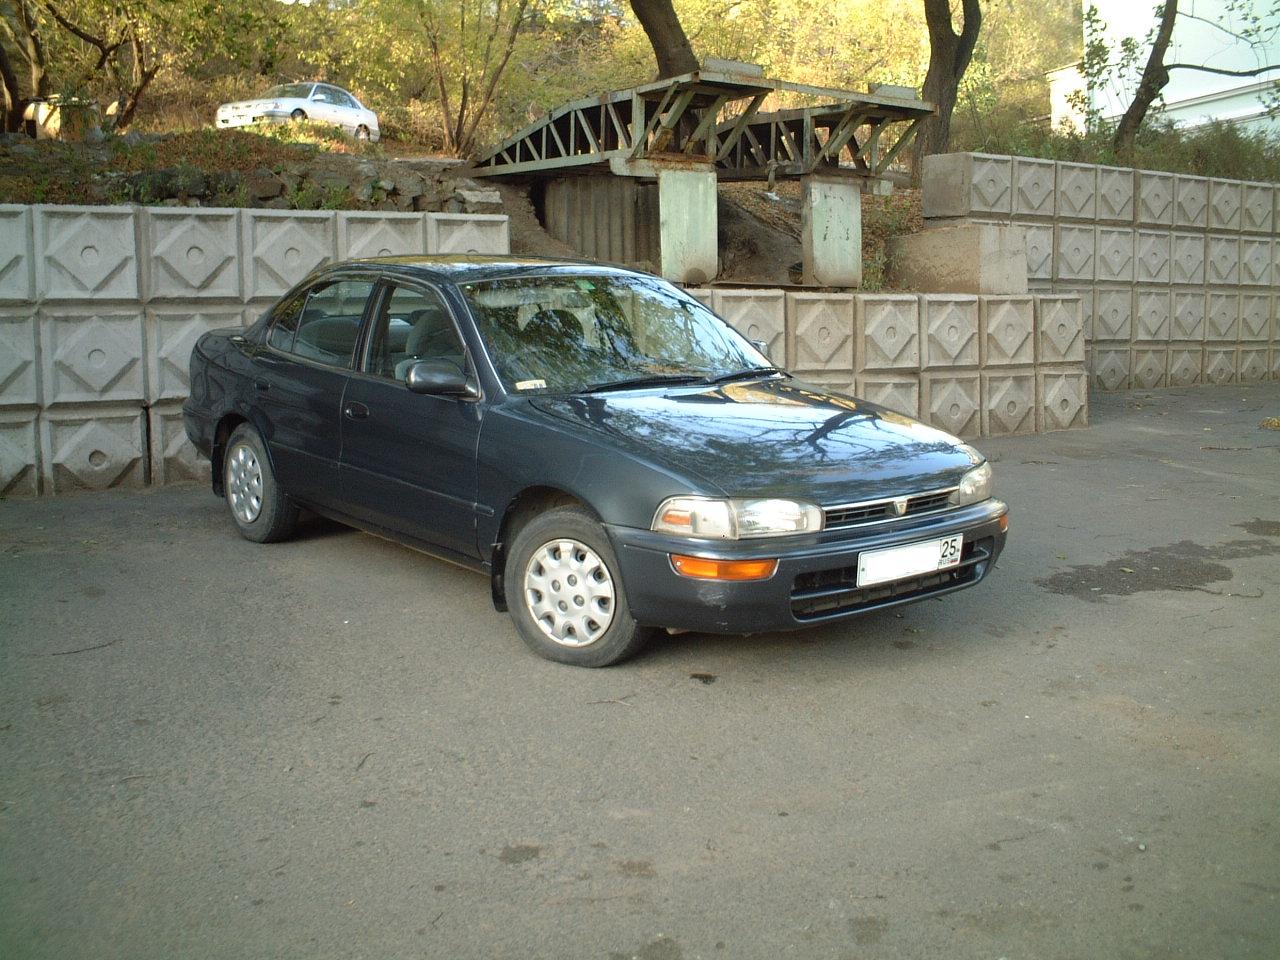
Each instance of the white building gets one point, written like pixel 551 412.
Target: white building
pixel 1203 34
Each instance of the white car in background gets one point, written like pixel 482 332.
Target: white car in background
pixel 321 102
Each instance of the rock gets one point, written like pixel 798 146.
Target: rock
pixel 262 184
pixel 408 185
pixel 190 182
pixel 151 186
pixel 385 185
pixel 364 192
pixel 481 201
pixel 402 202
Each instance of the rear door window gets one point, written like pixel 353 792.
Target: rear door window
pixel 327 325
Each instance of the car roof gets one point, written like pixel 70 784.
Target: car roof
pixel 468 268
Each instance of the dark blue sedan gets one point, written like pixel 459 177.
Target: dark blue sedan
pixel 611 454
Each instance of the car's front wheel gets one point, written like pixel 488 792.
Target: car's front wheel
pixel 298 114
pixel 362 132
pixel 261 510
pixel 565 593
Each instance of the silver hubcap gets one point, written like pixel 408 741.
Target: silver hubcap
pixel 244 483
pixel 569 592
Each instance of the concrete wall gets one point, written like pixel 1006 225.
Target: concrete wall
pixel 1179 276
pixel 973 365
pixel 100 307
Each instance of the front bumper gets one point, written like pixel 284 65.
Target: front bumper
pixel 252 119
pixel 816 579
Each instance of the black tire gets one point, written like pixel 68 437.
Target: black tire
pixel 298 114
pixel 620 638
pixel 273 516
pixel 362 132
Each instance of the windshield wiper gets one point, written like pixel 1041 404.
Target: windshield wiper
pixel 650 380
pixel 749 373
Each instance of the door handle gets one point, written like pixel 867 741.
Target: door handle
pixel 262 386
pixel 356 411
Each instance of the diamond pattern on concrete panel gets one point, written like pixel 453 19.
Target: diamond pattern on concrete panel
pixel 1150 367
pixel 1222 260
pixel 820 326
pixel 1077 191
pixel 1190 201
pixel 1113 314
pixel 1275 362
pixel 1111 367
pixel 1073 253
pixel 19 456
pixel 701 294
pixel 380 235
pixel 1062 400
pixel 888 333
pixel 1224 204
pixel 193 254
pixel 1222 318
pixel 840 381
pixel 284 247
pixel 1007 330
pixel 93 448
pixel 1115 255
pixel 1153 253
pixel 1032 187
pixel 990 180
pixel 1152 314
pixel 17 280
pixel 468 233
pixel 1155 198
pixel 173 458
pixel 1220 365
pixel 950 326
pixel 1186 365
pixel 1257 207
pixel 86 252
pixel 1251 364
pixel 18 358
pixel 757 315
pixel 171 334
pixel 91 356
pixel 1255 316
pixel 1060 325
pixel 1188 258
pixel 899 392
pixel 1115 194
pixel 1255 262
pixel 1039 241
pixel 1008 402
pixel 1188 315
pixel 952 403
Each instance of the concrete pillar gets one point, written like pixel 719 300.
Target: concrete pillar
pixel 688 226
pixel 831 230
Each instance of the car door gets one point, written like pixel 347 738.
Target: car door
pixel 409 460
pixel 300 375
pixel 328 106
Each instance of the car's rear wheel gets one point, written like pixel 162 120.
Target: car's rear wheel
pixel 565 593
pixel 298 114
pixel 362 132
pixel 261 510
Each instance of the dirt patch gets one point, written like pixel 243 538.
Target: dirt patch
pixel 528 237
pixel 1261 528
pixel 1179 566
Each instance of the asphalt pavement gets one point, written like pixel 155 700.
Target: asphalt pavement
pixel 334 747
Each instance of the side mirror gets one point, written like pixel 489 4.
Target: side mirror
pixel 440 378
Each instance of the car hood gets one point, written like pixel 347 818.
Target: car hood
pixel 774 438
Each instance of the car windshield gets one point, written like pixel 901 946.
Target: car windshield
pixel 566 334
pixel 289 91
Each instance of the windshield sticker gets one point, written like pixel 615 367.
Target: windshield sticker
pixel 531 384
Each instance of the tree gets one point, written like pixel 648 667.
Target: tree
pixel 1155 77
pixel 20 25
pixel 949 56
pixel 670 45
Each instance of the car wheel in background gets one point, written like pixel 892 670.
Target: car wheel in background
pixel 565 593
pixel 362 132
pixel 261 510
pixel 298 114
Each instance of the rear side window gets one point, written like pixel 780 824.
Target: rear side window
pixel 325 322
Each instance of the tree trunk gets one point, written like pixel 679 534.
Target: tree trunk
pixel 670 45
pixel 1155 75
pixel 949 56
pixel 13 102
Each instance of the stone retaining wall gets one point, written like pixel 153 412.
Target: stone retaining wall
pixel 972 365
pixel 100 307
pixel 1179 275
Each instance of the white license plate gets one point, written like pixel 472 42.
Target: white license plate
pixel 913 560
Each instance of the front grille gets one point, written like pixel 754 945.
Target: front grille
pixel 878 511
pixel 824 592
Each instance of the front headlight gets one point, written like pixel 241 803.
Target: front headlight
pixel 736 518
pixel 975 486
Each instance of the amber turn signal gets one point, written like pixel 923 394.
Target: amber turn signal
pixel 702 569
pixel 1004 523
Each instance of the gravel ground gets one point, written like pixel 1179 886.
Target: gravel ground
pixel 335 748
